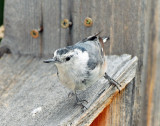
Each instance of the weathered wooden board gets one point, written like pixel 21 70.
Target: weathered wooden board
pixel 151 76
pixel 127 35
pixel 51 16
pixel 20 17
pixel 31 94
pixel 123 20
pixel 100 12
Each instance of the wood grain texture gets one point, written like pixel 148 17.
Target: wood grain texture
pixel 30 84
pixel 65 13
pixel 101 120
pixel 107 96
pixel 127 35
pixel 20 17
pixel 124 21
pixel 51 23
pixel 100 13
pixel 151 76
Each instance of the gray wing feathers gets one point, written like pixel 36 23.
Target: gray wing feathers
pixel 94 50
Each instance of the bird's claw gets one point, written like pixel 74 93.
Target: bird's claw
pixel 81 102
pixel 70 94
pixel 112 81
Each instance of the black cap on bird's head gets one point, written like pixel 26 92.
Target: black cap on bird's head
pixel 60 55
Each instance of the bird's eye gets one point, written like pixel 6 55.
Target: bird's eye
pixel 68 58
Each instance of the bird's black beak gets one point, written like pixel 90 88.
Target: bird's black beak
pixel 50 60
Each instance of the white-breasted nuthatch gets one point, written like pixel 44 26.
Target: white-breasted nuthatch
pixel 81 65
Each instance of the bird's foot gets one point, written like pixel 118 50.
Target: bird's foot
pixel 112 81
pixel 71 94
pixel 81 102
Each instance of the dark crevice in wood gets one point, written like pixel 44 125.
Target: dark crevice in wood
pixel 132 100
pixel 60 18
pixel 3 50
pixel 70 37
pixel 41 26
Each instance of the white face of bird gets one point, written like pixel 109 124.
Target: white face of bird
pixel 63 56
pixel 69 57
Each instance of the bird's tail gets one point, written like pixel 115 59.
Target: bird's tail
pixel 105 39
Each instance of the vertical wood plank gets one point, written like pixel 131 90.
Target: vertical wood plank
pixel 98 11
pixel 127 36
pixel 79 10
pixel 151 98
pixel 126 20
pixel 20 18
pixel 66 8
pixel 122 20
pixel 51 23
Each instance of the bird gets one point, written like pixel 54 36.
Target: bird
pixel 80 65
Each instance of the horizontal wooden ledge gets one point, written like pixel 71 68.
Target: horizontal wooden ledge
pixel 31 90
pixel 123 70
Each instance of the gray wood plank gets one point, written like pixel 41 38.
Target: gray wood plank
pixel 33 84
pixel 151 73
pixel 98 11
pixel 127 35
pixel 124 22
pixel 65 13
pixel 51 23
pixel 20 17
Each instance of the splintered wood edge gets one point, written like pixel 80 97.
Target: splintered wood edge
pixel 123 76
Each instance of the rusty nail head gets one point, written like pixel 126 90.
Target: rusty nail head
pixel 35 32
pixel 88 22
pixel 65 23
